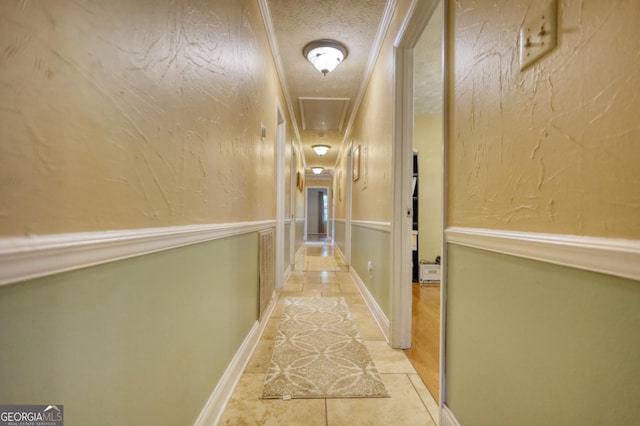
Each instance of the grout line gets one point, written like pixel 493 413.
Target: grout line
pixel 420 398
pixel 326 413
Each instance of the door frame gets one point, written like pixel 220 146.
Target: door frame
pixel 293 209
pixel 281 130
pixel 349 205
pixel 419 14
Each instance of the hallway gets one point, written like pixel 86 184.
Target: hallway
pixel 410 402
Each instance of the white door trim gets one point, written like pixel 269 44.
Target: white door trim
pixel 281 127
pixel 348 199
pixel 446 69
pixel 401 224
pixel 292 204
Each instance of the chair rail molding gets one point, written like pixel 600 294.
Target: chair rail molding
pixel 24 258
pixel 380 226
pixel 610 256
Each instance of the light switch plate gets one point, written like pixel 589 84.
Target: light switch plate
pixel 539 35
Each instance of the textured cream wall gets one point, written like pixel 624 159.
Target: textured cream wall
pixel 427 140
pixel 372 130
pixel 340 188
pixel 555 148
pixel 134 113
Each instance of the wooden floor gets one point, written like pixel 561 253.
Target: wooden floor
pixel 425 343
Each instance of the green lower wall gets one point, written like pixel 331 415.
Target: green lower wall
pixel 138 341
pixel 339 236
pixel 373 245
pixel 530 343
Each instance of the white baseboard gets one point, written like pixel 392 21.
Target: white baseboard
pixel 374 308
pixel 339 252
pixel 24 258
pixel 213 409
pixel 447 418
pixel 287 274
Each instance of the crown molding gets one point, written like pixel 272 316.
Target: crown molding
pixel 265 12
pixel 371 63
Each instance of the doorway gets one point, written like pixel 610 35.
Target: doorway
pixel 317 214
pixel 420 149
pixel 427 153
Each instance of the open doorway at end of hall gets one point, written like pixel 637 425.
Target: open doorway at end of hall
pixel 317 214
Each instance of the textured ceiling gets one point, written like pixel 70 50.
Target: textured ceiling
pixel 354 23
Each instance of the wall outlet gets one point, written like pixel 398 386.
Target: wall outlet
pixel 539 35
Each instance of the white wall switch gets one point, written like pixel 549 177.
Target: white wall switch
pixel 539 35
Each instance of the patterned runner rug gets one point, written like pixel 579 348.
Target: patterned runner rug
pixel 320 263
pixel 319 353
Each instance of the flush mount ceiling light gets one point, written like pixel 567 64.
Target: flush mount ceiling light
pixel 317 170
pixel 321 149
pixel 325 55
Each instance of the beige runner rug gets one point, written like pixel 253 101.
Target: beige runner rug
pixel 320 263
pixel 319 353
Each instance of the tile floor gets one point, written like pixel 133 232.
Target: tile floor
pixel 410 402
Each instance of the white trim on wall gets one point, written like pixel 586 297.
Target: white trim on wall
pixel 213 409
pixel 380 226
pixel 218 400
pixel 616 257
pixel 25 258
pixel 339 253
pixel 447 418
pixel 374 308
pixel 281 133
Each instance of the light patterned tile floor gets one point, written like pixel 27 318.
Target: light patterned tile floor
pixel 410 402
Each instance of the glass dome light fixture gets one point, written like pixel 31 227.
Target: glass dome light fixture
pixel 325 55
pixel 321 149
pixel 317 170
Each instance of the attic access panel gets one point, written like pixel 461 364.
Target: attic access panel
pixel 323 114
